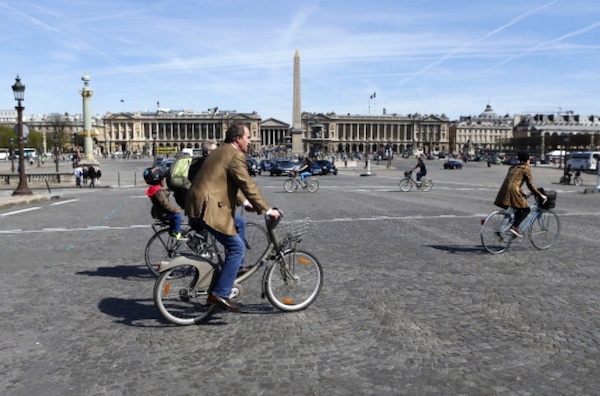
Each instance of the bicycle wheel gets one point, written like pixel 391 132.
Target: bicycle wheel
pixel 290 185
pixel 578 181
pixel 177 299
pixel 495 234
pixel 257 243
pixel 293 282
pixel 405 184
pixel 426 184
pixel 545 230
pixel 162 248
pixel 312 185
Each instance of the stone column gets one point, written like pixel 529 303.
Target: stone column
pixel 88 143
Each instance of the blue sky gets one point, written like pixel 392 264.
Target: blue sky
pixel 425 56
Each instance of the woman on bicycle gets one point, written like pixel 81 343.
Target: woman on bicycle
pixel 512 195
pixel 422 170
pixel 304 170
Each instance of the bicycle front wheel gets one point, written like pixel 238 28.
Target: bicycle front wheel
pixel 257 243
pixel 545 230
pixel 578 181
pixel 290 185
pixel 177 299
pixel 162 248
pixel 426 184
pixel 495 234
pixel 293 282
pixel 312 185
pixel 405 184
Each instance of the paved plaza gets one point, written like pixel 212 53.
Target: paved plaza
pixel 411 303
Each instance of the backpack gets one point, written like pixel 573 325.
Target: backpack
pixel 195 168
pixel 177 177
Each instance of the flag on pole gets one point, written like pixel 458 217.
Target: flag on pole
pixel 374 95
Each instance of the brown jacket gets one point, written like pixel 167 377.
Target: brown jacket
pixel 511 194
pixel 215 191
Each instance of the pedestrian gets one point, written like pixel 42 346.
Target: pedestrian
pixel 78 173
pixel 512 195
pixel 161 205
pixel 222 183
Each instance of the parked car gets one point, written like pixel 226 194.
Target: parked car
pixel 327 166
pixel 315 168
pixel 265 165
pixel 253 167
pixel 281 167
pixel 166 164
pixel 453 164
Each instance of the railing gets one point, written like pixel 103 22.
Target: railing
pixel 34 178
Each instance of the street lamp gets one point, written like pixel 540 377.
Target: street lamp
pixel 154 148
pixel 56 152
pixel 12 155
pixel 19 91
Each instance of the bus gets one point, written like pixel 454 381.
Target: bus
pixel 30 153
pixel 583 160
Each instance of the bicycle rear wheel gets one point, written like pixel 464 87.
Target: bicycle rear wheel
pixel 290 185
pixel 293 282
pixel 162 248
pixel 312 185
pixel 257 243
pixel 405 184
pixel 176 298
pixel 495 234
pixel 426 184
pixel 545 230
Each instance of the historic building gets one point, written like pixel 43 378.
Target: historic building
pixel 564 130
pixel 326 134
pixel 170 131
pixel 486 132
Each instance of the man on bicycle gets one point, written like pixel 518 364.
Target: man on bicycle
pixel 422 170
pixel 512 195
pixel 222 183
pixel 304 170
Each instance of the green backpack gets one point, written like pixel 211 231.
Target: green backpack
pixel 178 173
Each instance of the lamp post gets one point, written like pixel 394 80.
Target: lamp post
pixel 19 91
pixel 56 151
pixel 12 155
pixel 154 148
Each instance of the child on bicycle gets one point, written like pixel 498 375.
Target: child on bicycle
pixel 159 195
pixel 512 195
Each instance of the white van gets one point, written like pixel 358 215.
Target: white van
pixel 4 154
pixel 583 160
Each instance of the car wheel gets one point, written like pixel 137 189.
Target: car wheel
pixel 335 173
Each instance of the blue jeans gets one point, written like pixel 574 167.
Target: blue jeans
pixel 174 221
pixel 235 247
pixel 420 175
pixel 304 175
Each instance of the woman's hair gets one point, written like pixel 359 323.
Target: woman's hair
pixel 523 156
pixel 235 130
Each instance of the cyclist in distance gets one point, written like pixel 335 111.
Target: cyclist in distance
pixel 304 170
pixel 512 195
pixel 422 170
pixel 222 183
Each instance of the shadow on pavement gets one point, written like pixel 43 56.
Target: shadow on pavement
pixel 122 271
pixel 479 250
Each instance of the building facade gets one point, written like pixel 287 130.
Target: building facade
pixel 487 132
pixel 170 131
pixel 351 134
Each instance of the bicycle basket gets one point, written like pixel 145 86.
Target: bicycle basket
pixel 550 202
pixel 293 231
pixel 407 173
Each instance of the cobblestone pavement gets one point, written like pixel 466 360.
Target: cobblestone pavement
pixel 411 304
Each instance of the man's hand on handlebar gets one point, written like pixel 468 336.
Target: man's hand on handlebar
pixel 275 213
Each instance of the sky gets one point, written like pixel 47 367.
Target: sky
pixel 359 57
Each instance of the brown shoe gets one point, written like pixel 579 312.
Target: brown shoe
pixel 223 303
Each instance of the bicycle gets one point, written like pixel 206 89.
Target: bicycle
pixel 576 179
pixel 162 247
pixel 541 225
pixel 407 182
pixel 291 281
pixel 292 183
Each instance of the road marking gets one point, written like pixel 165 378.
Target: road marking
pixel 64 202
pixel 20 211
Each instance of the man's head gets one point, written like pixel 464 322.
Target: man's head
pixel 209 147
pixel 239 136
pixel 523 156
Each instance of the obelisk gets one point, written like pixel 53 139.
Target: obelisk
pixel 297 147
